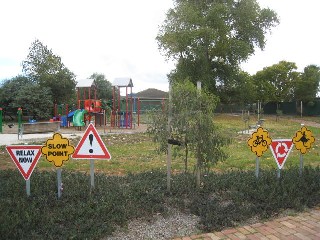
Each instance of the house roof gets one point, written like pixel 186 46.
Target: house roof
pixel 122 82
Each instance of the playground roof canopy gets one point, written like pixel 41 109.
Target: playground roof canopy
pixel 85 82
pixel 122 82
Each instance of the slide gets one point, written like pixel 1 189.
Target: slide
pixel 78 118
pixel 70 114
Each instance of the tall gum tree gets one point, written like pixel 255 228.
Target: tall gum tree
pixel 209 39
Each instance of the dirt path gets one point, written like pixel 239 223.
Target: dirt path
pixel 306 122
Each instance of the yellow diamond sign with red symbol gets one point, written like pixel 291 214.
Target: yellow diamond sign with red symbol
pixel 57 149
pixel 259 141
pixel 303 140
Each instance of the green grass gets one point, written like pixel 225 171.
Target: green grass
pixel 135 153
pixel 240 156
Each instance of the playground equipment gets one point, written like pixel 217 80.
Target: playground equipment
pixel 78 117
pixel 87 100
pixel 122 109
pixel 88 107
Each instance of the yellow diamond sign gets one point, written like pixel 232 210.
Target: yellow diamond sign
pixel 57 149
pixel 303 140
pixel 259 141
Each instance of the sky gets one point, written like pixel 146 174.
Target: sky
pixel 117 38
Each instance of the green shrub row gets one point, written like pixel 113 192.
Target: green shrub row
pixel 223 200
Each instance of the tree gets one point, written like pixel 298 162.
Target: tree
pixel 307 85
pixel 192 127
pixel 104 87
pixel 276 83
pixel 23 92
pixel 46 69
pixel 240 89
pixel 104 90
pixel 210 38
pixel 35 100
pixel 10 89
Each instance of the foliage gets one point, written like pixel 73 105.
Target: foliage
pixel 239 196
pixel 104 87
pixel 209 39
pixel 192 128
pixel 224 200
pixel 307 85
pixel 46 69
pixel 78 214
pixel 35 100
pixel 276 83
pixel 240 89
pixel 22 92
pixel 10 89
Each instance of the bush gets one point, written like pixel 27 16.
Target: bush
pixel 224 200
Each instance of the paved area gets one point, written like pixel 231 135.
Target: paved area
pixel 304 226
pixel 10 135
pixel 7 139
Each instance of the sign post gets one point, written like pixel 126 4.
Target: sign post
pixel 303 141
pixel 57 150
pixel 257 166
pixel 91 147
pixel 25 157
pixel 259 143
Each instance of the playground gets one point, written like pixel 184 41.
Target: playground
pixel 121 114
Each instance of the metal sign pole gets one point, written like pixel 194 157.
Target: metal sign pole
pixel 257 167
pixel 278 173
pixel 28 187
pixel 301 164
pixel 92 172
pixel 59 181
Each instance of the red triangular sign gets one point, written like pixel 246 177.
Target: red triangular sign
pixel 25 158
pixel 91 146
pixel 280 149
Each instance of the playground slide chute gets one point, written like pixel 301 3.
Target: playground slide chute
pixel 78 118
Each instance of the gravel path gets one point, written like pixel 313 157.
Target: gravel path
pixel 160 227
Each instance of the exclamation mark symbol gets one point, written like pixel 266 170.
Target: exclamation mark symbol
pixel 91 140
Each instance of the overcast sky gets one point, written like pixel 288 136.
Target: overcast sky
pixel 117 38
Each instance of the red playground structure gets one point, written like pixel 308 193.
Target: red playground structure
pixel 87 101
pixel 122 107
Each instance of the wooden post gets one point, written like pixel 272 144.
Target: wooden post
pixel 198 171
pixel 169 145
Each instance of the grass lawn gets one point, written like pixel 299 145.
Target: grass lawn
pixel 135 153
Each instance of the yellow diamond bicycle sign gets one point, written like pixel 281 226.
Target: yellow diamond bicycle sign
pixel 57 149
pixel 259 141
pixel 303 140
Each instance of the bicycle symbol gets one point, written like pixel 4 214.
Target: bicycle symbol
pixel 259 140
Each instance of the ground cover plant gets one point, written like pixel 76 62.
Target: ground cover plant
pixel 133 184
pixel 224 200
